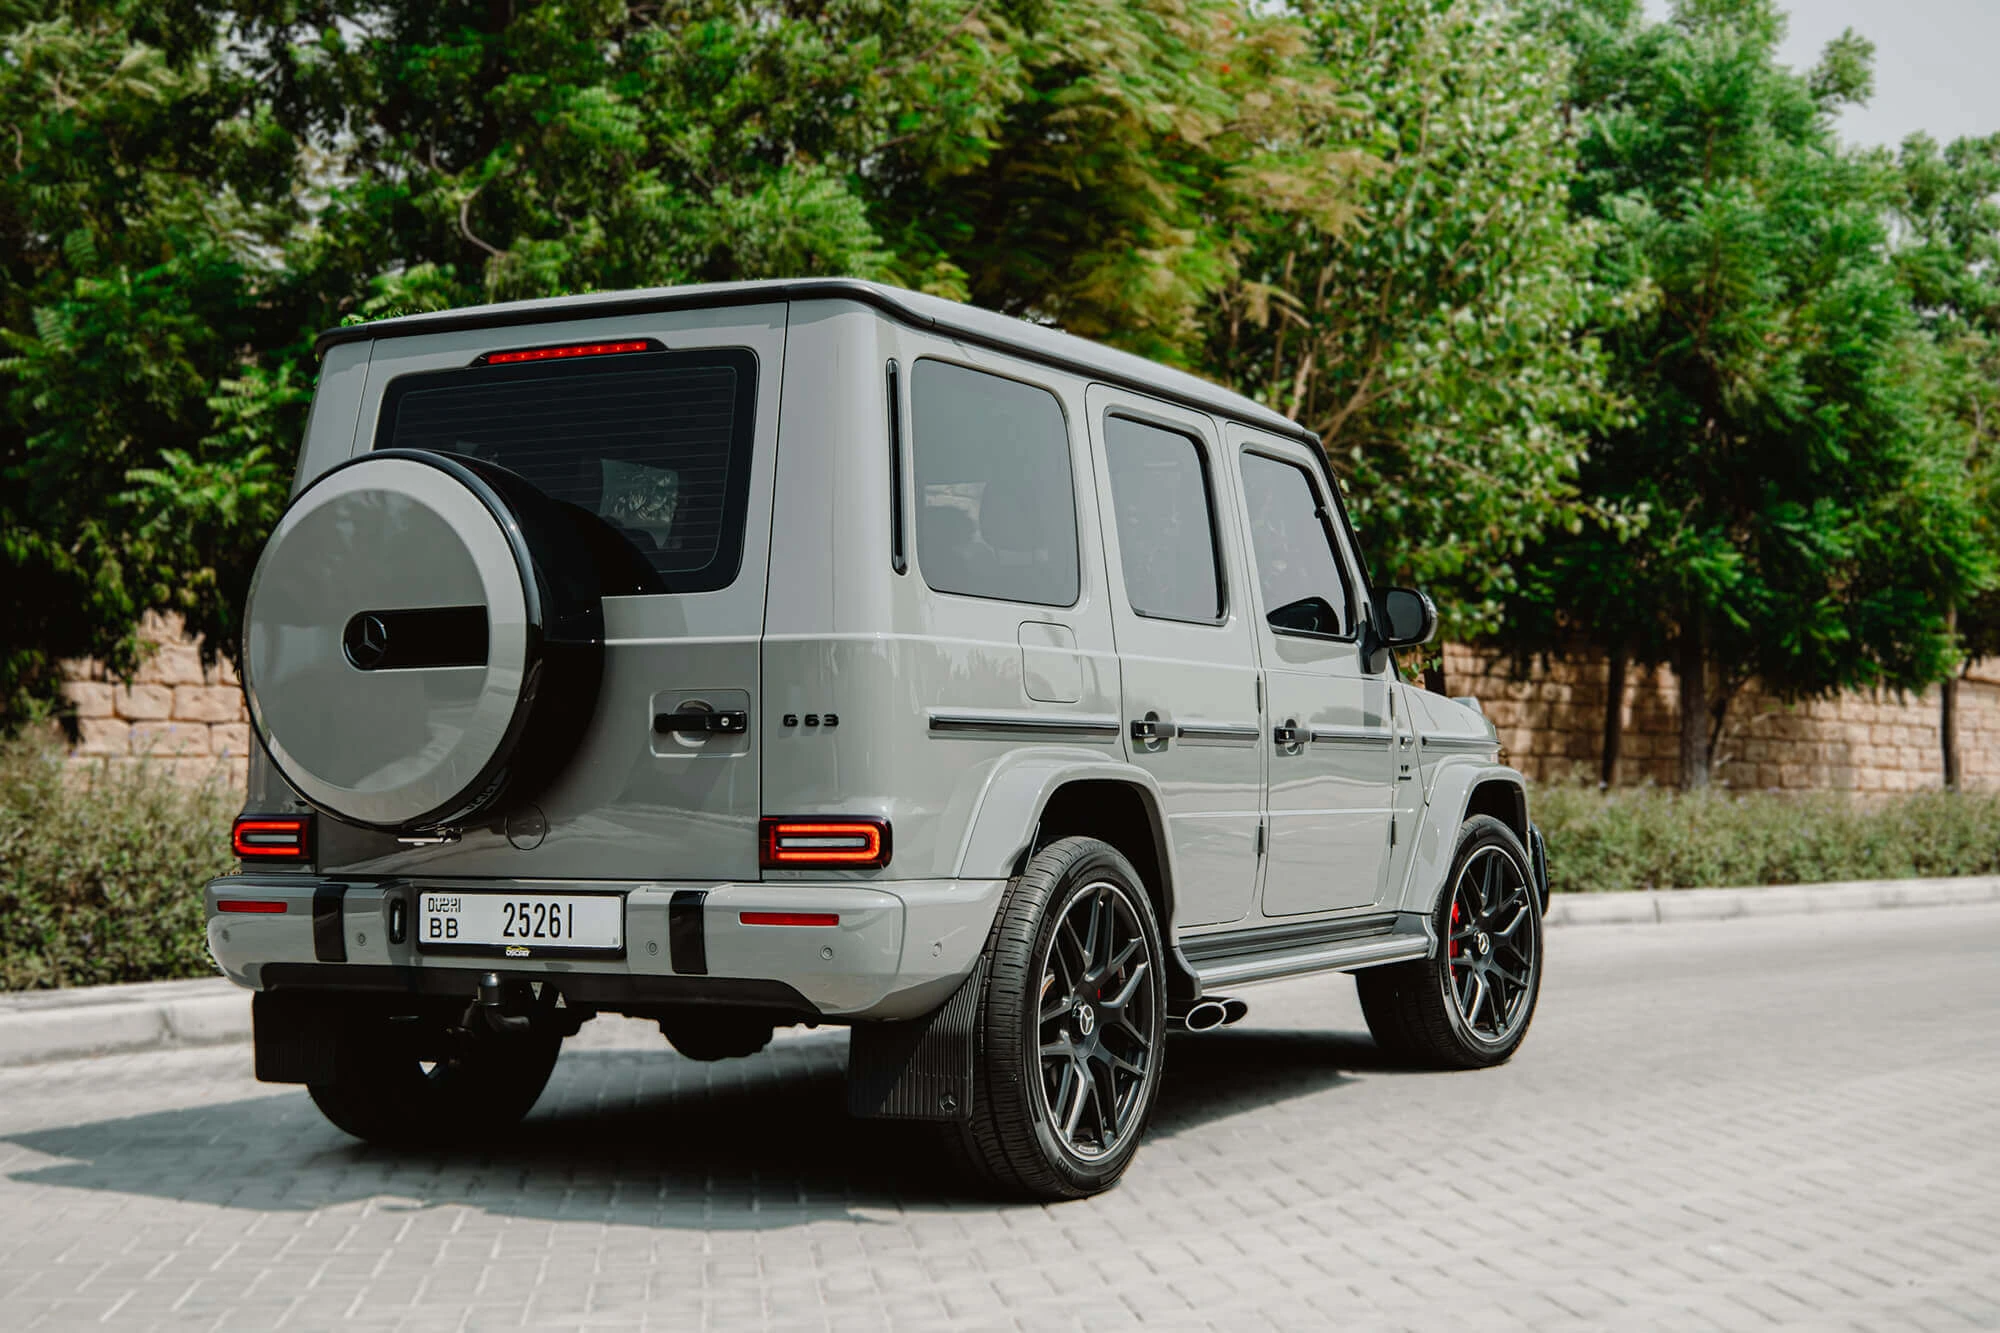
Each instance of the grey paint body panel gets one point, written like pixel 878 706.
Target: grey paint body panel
pixel 958 718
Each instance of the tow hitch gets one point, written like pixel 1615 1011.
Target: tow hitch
pixel 497 1006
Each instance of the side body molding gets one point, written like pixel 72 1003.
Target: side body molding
pixel 1444 813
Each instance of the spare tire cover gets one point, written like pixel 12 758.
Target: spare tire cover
pixel 398 634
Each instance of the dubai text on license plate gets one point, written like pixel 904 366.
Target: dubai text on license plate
pixel 520 925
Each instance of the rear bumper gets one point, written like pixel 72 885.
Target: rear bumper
pixel 899 949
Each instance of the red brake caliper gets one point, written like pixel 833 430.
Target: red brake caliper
pixel 1454 928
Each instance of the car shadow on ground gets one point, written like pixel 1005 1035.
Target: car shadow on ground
pixel 645 1138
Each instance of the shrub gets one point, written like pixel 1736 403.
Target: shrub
pixel 1650 838
pixel 101 868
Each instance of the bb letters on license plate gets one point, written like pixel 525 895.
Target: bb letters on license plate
pixel 521 925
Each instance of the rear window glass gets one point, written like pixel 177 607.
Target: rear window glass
pixel 996 500
pixel 657 444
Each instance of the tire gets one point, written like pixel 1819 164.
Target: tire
pixel 1075 962
pixel 383 1093
pixel 1469 1006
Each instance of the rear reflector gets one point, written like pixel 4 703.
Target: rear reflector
pixel 273 838
pixel 248 905
pixel 568 352
pixel 824 842
pixel 789 918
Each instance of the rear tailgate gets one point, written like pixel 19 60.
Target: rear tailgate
pixel 680 458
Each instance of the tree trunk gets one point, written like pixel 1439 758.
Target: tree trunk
pixel 1434 673
pixel 1691 666
pixel 1948 711
pixel 1614 717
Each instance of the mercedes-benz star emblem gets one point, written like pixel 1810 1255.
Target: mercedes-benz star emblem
pixel 366 640
pixel 1086 1020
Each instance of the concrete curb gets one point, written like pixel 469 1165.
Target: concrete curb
pixel 37 1026
pixel 1670 906
pixel 41 1026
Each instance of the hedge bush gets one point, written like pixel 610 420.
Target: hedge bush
pixel 1648 838
pixel 101 869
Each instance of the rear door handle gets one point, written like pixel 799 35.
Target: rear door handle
pixel 1151 728
pixel 701 722
pixel 1289 733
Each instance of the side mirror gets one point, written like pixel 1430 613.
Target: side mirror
pixel 1412 617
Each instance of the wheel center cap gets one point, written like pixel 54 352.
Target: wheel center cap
pixel 1482 942
pixel 1086 1020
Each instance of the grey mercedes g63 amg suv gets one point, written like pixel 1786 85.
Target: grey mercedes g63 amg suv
pixel 818 652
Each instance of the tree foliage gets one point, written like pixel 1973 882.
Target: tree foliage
pixel 190 198
pixel 1443 344
pixel 1805 524
pixel 143 198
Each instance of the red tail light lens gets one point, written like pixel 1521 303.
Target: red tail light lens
pixel 249 905
pixel 824 842
pixel 789 918
pixel 273 837
pixel 567 352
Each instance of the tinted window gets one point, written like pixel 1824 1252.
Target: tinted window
pixel 1305 589
pixel 1166 528
pixel 657 444
pixel 996 508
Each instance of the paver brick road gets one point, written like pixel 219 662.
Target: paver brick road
pixel 1742 1125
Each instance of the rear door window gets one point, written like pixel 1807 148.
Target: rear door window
pixel 1166 521
pixel 996 497
pixel 656 444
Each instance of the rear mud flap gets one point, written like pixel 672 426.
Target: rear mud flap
pixel 297 1038
pixel 919 1068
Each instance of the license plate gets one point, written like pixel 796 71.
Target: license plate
pixel 521 925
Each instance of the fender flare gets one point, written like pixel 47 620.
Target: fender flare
pixel 1451 793
pixel 1001 833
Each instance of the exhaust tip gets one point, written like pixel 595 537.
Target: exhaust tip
pixel 1233 1011
pixel 1204 1016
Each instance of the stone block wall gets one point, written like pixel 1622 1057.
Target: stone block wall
pixel 1552 723
pixel 174 714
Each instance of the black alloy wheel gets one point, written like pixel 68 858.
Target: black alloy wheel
pixel 1071 1034
pixel 1467 1006
pixel 1099 1032
pixel 1492 952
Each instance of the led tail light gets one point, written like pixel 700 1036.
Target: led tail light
pixel 273 837
pixel 824 842
pixel 250 905
pixel 789 918
pixel 568 352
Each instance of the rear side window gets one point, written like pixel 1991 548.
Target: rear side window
pixel 1166 525
pixel 1305 589
pixel 996 500
pixel 657 444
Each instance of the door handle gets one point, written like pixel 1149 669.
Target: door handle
pixel 701 722
pixel 1289 734
pixel 1151 728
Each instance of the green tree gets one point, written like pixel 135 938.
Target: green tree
pixel 1948 210
pixel 142 201
pixel 252 172
pixel 1806 527
pixel 1441 343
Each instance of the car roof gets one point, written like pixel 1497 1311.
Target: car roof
pixel 966 322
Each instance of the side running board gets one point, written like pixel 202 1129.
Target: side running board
pixel 1267 953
